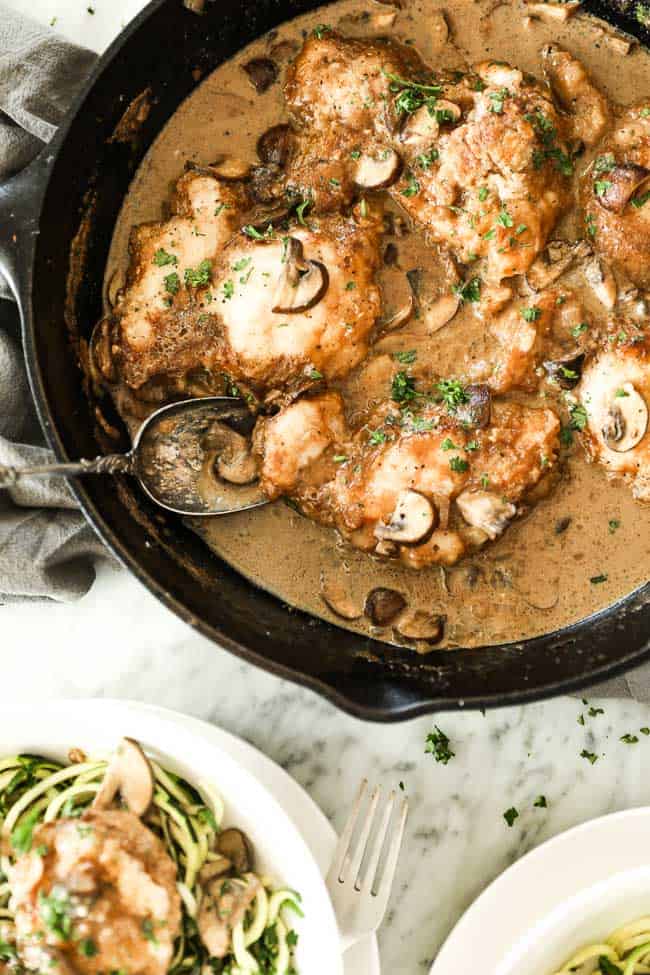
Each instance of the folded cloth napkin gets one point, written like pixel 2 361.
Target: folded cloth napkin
pixel 47 549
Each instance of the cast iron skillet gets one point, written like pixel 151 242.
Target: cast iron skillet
pixel 79 181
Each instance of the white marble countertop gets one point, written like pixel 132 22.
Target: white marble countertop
pixel 119 641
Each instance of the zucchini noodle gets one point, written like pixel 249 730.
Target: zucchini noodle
pixel 35 790
pixel 625 952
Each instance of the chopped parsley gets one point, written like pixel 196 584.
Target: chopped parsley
pixel 339 458
pixel 301 209
pixel 406 358
pixel 351 285
pixel 426 159
pixel 377 437
pixel 55 912
pixel 411 95
pixel 172 283
pixel 598 580
pixel 161 258
pixel 579 329
pixel 629 739
pixel 412 188
pixel 604 164
pixel 228 290
pixel 510 815
pixel 402 388
pixel 242 264
pixel 321 29
pixel 579 417
pixel 469 290
pixel 315 374
pixel 505 219
pixel 88 948
pixel 645 731
pixel 21 835
pixel 437 744
pixel 640 201
pixel 452 393
pixel 355 154
pixel 485 482
pixel 199 276
pixel 590 756
pixel 448 444
pixel 531 314
pixel 541 802
pixel 483 193
pixel 601 186
pixel 497 98
pixel 7 951
pixel 148 931
pixel 458 465
pixel 255 234
pixel 590 225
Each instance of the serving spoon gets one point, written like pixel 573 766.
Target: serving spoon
pixel 173 458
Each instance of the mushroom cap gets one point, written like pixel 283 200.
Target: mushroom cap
pixel 383 605
pixel 412 519
pixel 129 772
pixel 301 284
pixel 377 170
pixel 627 420
pixel 623 182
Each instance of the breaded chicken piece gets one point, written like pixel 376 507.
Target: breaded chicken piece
pixel 100 896
pixel 423 485
pixel 616 197
pixel 156 325
pixel 495 179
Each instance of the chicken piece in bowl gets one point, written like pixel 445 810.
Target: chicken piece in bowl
pixel 96 894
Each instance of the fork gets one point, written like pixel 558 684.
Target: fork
pixel 360 897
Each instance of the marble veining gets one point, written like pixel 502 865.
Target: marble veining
pixel 120 642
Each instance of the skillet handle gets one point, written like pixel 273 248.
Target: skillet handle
pixel 20 205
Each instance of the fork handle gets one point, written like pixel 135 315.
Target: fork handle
pixel 106 464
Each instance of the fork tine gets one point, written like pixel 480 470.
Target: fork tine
pixel 377 846
pixel 362 842
pixel 391 860
pixel 336 869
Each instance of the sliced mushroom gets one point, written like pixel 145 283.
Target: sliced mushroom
pixel 377 170
pixel 130 774
pixel 620 185
pixel 476 411
pixel 284 50
pixel 337 598
pixel 302 283
pixel 230 168
pixel 627 420
pixel 213 869
pixel 273 146
pixel 263 217
pixel 486 511
pixel 565 372
pixel 234 460
pixel 421 129
pixel 441 312
pixel 600 277
pixel 235 845
pixel 413 518
pixel 419 625
pixel 383 605
pixel 223 906
pixel 402 316
pixel 262 73
pixel 391 255
pixel 554 261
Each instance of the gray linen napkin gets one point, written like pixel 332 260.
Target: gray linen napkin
pixel 47 549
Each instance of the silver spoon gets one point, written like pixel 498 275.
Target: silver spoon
pixel 173 457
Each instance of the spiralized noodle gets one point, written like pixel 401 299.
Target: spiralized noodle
pixel 625 952
pixel 35 790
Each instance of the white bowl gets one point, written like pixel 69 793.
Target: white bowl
pixel 280 851
pixel 571 891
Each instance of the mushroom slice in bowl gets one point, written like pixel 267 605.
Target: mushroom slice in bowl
pixel 617 186
pixel 301 284
pixel 129 773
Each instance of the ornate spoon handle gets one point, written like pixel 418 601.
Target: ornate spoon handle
pixel 108 464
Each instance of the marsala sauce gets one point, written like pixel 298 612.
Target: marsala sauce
pixel 537 577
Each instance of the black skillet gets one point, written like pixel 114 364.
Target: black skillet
pixel 80 180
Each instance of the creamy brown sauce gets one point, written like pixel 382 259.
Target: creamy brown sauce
pixel 538 576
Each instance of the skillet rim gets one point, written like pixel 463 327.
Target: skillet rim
pixel 393 711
